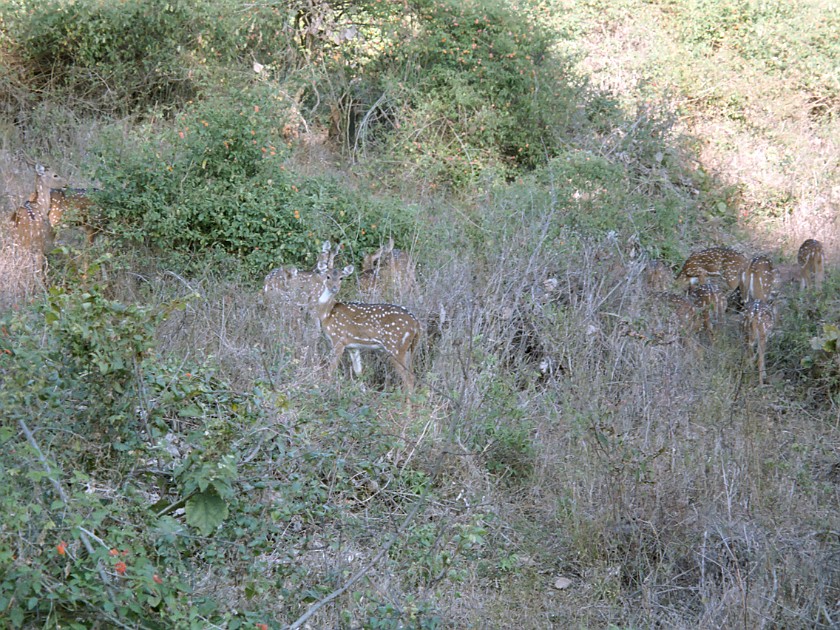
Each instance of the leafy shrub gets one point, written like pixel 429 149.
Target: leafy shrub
pixel 215 182
pixel 485 90
pixel 126 53
pixel 72 360
pixel 129 56
pixel 797 42
pixel 80 371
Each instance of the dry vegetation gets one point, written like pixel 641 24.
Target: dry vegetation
pixel 575 456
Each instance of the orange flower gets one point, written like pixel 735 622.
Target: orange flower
pixel 120 567
pixel 157 579
pixel 61 548
pixel 114 552
pixel 262 626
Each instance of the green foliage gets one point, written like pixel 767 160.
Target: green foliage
pixel 130 56
pixel 215 183
pixel 804 341
pixel 485 91
pixel 72 360
pixel 502 434
pixel 124 55
pixel 794 41
pixel 384 615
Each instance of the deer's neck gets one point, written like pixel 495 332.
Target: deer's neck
pixel 41 196
pixel 326 303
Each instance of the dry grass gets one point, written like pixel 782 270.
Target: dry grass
pixel 759 131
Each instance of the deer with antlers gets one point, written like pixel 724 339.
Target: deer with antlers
pixel 358 326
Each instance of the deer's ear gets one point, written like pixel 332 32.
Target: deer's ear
pixel 322 266
pixel 40 169
pixel 347 271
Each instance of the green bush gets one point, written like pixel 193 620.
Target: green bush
pixel 73 360
pixel 120 56
pixel 130 56
pixel 804 342
pixel 791 41
pixel 484 90
pixel 215 183
pixel 105 411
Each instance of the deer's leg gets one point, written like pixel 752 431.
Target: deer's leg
pixel 356 358
pixel 402 364
pixel 338 350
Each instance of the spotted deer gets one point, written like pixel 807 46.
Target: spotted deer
pixel 680 308
pixel 300 288
pixel 388 270
pixel 30 224
pixel 758 324
pixel 758 280
pixel 710 302
pixel 722 262
pixel 72 201
pixel 357 326
pixel 811 261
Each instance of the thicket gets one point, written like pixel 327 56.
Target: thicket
pixel 214 184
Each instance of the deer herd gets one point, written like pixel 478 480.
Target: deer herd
pixel 712 274
pixel 715 273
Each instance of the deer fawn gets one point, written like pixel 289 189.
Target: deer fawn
pixel 357 326
pixel 299 287
pixel 811 264
pixel 680 307
pixel 31 227
pixel 757 280
pixel 710 302
pixel 388 269
pixel 723 262
pixel 758 324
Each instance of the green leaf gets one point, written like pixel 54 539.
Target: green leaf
pixel 191 411
pixel 206 511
